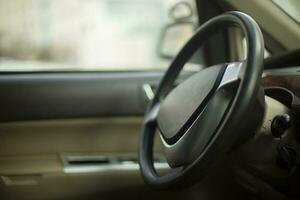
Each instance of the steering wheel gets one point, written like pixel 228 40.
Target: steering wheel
pixel 207 115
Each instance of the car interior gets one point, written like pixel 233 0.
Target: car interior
pixel 160 99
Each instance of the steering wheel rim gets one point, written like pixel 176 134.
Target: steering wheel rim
pixel 246 93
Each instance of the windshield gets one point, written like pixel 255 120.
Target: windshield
pixel 83 34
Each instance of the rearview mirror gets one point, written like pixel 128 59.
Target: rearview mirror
pixel 175 34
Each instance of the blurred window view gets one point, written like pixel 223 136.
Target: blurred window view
pixel 291 7
pixel 108 35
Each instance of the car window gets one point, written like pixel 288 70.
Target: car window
pixel 291 7
pixel 109 35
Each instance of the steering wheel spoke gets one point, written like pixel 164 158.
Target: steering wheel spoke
pixel 232 74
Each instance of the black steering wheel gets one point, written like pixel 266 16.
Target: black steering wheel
pixel 208 114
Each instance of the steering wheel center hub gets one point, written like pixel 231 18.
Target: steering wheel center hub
pixel 184 104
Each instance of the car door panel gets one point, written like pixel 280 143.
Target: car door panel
pixel 72 95
pixel 47 119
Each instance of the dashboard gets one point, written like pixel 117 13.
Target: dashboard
pixel 284 85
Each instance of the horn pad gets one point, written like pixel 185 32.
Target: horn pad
pixel 182 106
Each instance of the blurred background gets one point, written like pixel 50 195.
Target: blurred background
pixel 86 34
